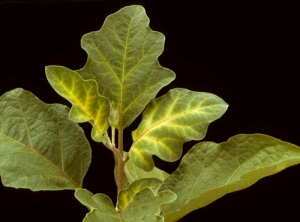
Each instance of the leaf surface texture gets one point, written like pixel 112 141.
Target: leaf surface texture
pixel 40 148
pixel 88 105
pixel 122 59
pixel 177 117
pixel 210 170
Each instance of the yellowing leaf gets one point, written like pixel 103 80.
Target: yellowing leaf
pixel 209 170
pixel 169 121
pixel 126 196
pixel 83 94
pixel 122 59
pixel 40 148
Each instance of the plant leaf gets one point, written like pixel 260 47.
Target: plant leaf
pixel 179 116
pixel 100 206
pixel 145 206
pixel 87 104
pixel 40 148
pixel 122 59
pixel 134 173
pixel 126 196
pixel 209 170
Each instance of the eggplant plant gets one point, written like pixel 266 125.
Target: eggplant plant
pixel 42 147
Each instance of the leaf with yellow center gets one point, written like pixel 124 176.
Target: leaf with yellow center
pixel 88 105
pixel 177 117
pixel 126 196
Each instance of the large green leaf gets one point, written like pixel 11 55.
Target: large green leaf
pixel 134 173
pixel 126 196
pixel 83 94
pixel 40 148
pixel 209 170
pixel 100 206
pixel 122 59
pixel 146 206
pixel 169 121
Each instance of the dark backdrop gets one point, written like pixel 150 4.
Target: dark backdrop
pixel 240 52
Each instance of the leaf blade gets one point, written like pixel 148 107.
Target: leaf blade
pixel 140 210
pixel 209 170
pixel 177 117
pixel 40 148
pixel 126 196
pixel 83 95
pixel 134 173
pixel 122 59
pixel 100 206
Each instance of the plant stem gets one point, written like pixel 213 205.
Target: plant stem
pixel 120 175
pixel 119 156
pixel 121 162
pixel 120 141
pixel 107 142
pixel 113 129
pixel 119 151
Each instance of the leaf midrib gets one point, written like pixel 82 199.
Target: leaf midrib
pixel 123 75
pixel 148 129
pixel 80 105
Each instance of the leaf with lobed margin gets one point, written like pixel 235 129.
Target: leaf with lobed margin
pixel 126 196
pixel 88 105
pixel 100 207
pixel 122 59
pixel 177 117
pixel 146 206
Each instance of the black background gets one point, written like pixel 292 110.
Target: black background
pixel 244 53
